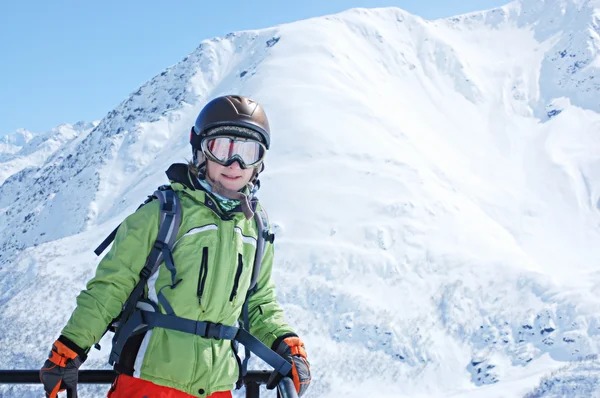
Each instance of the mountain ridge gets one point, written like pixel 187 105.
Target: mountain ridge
pixel 435 223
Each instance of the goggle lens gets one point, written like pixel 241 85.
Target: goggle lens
pixel 224 149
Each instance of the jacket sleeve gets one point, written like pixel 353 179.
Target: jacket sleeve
pixel 116 276
pixel 266 318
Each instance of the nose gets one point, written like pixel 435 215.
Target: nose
pixel 235 165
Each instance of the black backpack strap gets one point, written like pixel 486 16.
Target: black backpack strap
pixel 110 238
pixel 145 320
pixel 170 221
pixel 106 242
pixel 262 224
pixel 136 319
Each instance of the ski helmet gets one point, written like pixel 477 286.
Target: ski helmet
pixel 234 111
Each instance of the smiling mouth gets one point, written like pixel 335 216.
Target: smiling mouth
pixel 231 178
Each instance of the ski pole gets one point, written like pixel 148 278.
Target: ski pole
pixel 286 388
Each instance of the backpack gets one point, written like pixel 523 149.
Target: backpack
pixel 139 315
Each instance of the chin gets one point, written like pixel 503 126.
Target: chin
pixel 233 187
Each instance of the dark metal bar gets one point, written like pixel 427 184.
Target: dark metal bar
pixel 257 376
pixel 33 376
pixel 252 380
pixel 103 376
pixel 252 390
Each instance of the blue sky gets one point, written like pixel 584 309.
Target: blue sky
pixel 64 61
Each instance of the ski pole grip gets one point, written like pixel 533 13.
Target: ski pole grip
pixel 286 388
pixel 72 392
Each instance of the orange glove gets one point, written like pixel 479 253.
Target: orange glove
pixel 292 349
pixel 61 369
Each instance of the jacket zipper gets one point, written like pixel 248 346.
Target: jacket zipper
pixel 203 273
pixel 238 274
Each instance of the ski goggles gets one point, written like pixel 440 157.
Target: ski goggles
pixel 225 150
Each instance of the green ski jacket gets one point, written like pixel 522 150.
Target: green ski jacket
pixel 214 257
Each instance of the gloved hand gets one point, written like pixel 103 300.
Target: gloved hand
pixel 61 369
pixel 292 349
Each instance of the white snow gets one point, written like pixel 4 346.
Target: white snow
pixel 22 149
pixel 434 185
pixel 14 141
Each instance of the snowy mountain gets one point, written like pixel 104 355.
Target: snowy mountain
pixel 14 141
pixel 22 149
pixel 435 187
pixel 569 34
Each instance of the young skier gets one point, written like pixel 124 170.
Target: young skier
pixel 204 282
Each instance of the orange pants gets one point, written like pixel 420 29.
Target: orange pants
pixel 131 387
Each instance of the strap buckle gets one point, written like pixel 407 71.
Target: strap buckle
pixel 168 208
pixel 168 205
pixel 217 331
pixel 208 330
pixel 145 273
pixel 159 245
pixel 268 236
pixel 213 330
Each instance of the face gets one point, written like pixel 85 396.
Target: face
pixel 232 177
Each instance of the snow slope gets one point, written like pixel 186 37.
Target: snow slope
pixel 434 185
pixel 581 378
pixel 22 149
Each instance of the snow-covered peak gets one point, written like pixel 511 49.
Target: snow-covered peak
pixel 430 222
pixel 14 141
pixel 33 150
pixel 549 7
pixel 558 17
pixel 567 33
pixel 56 136
pixel 571 31
pixel 17 138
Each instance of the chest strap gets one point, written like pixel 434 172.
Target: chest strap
pixel 142 321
